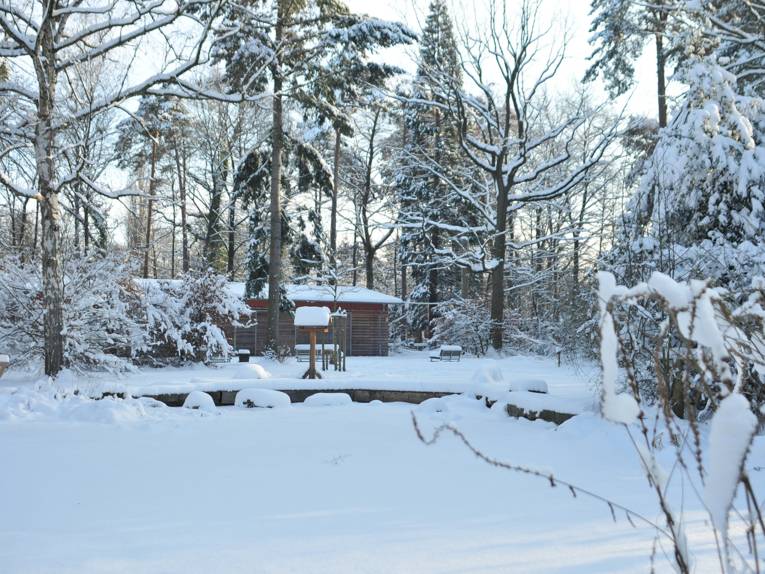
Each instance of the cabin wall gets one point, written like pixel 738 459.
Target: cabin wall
pixel 367 330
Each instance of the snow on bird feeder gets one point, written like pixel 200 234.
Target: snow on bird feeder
pixel 312 320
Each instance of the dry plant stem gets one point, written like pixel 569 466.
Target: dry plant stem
pixel 574 489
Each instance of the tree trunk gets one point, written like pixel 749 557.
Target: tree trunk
pixel 498 273
pixel 275 248
pixel 173 240
pixel 180 164
pixel 661 64
pixel 231 238
pixel 150 207
pixel 369 266
pixel 333 208
pixel 355 259
pixel 213 239
pixel 403 281
pixel 50 210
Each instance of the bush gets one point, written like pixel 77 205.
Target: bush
pixel 101 322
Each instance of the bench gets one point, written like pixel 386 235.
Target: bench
pixel 446 353
pixel 5 362
pixel 217 359
pixel 303 352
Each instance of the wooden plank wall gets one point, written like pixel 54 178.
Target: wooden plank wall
pixel 367 330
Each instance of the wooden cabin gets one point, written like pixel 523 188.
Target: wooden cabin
pixel 366 310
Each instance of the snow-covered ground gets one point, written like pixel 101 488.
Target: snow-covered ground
pixel 410 370
pixel 132 486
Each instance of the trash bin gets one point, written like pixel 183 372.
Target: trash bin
pixel 244 355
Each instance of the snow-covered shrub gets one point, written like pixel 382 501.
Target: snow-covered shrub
pixel 200 401
pixel 262 398
pixel 463 322
pixel 716 371
pixel 698 211
pixel 100 319
pixel 328 400
pixel 185 317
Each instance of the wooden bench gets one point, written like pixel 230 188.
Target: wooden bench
pixel 303 352
pixel 448 353
pixel 217 359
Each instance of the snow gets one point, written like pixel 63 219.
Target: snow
pixel 199 400
pixel 618 407
pixel 263 398
pixel 325 490
pixel 531 385
pixel 5 359
pixel 324 294
pixel 312 316
pixel 328 400
pixel 733 425
pixel 410 370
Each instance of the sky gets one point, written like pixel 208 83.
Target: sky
pixel 574 14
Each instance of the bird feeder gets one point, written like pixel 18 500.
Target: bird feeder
pixel 312 320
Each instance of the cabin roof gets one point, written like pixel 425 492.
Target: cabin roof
pixel 318 293
pixel 327 294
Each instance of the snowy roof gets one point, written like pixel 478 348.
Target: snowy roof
pixel 312 316
pixel 318 293
pixel 327 294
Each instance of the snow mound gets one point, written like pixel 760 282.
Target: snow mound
pixel 47 402
pixel 490 382
pixel 199 400
pixel 532 401
pixel 245 371
pixel 529 385
pixel 490 375
pixel 434 405
pixel 262 398
pixel 453 405
pixel 328 400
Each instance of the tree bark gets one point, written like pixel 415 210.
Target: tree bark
pixel 333 208
pixel 213 239
pixel 275 248
pixel 180 164
pixel 150 207
pixel 231 238
pixel 498 273
pixel 50 210
pixel 369 265
pixel 661 64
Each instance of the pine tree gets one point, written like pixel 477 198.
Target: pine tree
pixel 698 211
pixel 620 30
pixel 432 217
pixel 144 140
pixel 292 47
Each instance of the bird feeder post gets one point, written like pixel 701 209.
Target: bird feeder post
pixel 312 320
pixel 312 372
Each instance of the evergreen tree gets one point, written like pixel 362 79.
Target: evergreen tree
pixel 293 47
pixel 144 140
pixel 433 216
pixel 620 30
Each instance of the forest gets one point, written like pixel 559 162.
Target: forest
pixel 489 166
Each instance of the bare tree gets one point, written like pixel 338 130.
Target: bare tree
pixel 50 39
pixel 500 114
